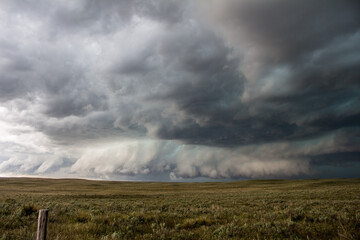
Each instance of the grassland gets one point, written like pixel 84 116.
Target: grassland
pixel 266 209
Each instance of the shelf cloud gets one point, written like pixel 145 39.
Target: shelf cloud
pixel 180 90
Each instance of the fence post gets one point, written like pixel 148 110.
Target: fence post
pixel 42 224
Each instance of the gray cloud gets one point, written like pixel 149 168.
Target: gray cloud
pixel 186 89
pixel 286 30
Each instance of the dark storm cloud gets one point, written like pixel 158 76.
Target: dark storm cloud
pixel 215 89
pixel 288 30
pixel 307 81
pixel 84 14
pixel 75 101
pixel 210 86
pixel 167 11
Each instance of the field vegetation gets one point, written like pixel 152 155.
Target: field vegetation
pixel 260 209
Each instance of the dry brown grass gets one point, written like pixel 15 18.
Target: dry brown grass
pixel 261 209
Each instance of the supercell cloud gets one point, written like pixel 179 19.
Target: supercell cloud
pixel 179 90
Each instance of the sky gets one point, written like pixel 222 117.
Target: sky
pixel 170 90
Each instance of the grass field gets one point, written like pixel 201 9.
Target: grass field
pixel 261 209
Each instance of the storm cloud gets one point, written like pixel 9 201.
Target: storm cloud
pixel 180 89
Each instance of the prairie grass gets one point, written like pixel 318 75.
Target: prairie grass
pixel 259 209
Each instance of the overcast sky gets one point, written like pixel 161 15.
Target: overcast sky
pixel 180 90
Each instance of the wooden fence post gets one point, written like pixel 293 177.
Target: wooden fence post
pixel 42 224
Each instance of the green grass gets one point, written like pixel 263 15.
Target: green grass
pixel 261 209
